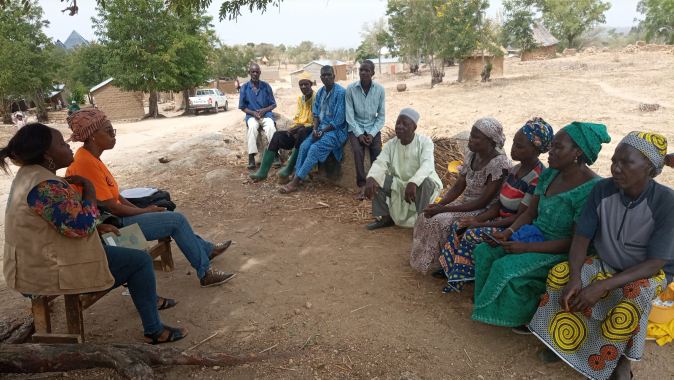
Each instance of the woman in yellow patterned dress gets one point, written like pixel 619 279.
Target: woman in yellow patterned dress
pixel 594 313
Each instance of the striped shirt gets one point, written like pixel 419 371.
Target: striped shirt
pixel 365 113
pixel 518 191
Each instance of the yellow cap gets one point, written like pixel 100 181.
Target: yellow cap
pixel 305 75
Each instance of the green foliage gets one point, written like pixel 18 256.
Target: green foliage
pixel 659 21
pixel 518 28
pixel 232 61
pixel 306 51
pixel 488 67
pixel 27 65
pixel 365 51
pixel 568 19
pixel 77 93
pixel 87 64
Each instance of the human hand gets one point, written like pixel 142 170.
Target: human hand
pixel 587 297
pixel 571 290
pixel 368 140
pixel 514 247
pixel 105 228
pixel 370 188
pixel 292 131
pixel 433 209
pixel 154 208
pixel 317 135
pixel 411 193
pixel 466 221
pixel 78 180
pixel 256 115
pixel 362 140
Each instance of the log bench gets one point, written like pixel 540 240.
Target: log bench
pixel 75 304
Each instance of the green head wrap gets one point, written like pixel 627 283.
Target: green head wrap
pixel 588 137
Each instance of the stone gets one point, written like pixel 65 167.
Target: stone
pixel 462 139
pixel 341 173
pixel 217 175
pixel 282 124
pixel 308 305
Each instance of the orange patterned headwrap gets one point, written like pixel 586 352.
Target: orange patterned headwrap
pixel 84 123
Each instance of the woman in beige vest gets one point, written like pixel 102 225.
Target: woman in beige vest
pixel 51 244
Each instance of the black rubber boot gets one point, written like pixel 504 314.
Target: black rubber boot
pixel 251 161
pixel 277 160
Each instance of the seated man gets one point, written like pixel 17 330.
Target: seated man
pixel 365 104
pixel 403 181
pixel 74 107
pixel 256 100
pixel 300 129
pixel 329 132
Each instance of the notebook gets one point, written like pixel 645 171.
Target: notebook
pixel 131 237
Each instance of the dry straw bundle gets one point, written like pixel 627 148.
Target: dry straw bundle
pixel 446 151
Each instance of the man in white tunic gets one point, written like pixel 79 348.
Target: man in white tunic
pixel 402 181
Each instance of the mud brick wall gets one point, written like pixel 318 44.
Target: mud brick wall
pixel 540 53
pixel 118 104
pixel 471 68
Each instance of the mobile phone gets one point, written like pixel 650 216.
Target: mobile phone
pixel 462 230
pixel 493 238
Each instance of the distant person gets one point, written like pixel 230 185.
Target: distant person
pixel 403 181
pixel 256 100
pixel 19 119
pixel 365 106
pixel 238 86
pixel 73 107
pixel 329 132
pixel 300 129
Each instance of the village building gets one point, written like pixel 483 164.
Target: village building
pixel 389 65
pixel 471 67
pixel 314 68
pixel 117 104
pixel 547 44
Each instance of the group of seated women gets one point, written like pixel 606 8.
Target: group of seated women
pixel 52 247
pixel 562 253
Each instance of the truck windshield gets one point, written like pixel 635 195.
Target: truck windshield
pixel 204 92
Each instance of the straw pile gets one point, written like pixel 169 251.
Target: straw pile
pixel 446 150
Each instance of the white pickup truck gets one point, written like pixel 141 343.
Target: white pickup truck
pixel 208 99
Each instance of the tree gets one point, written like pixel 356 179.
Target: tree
pixel 567 19
pixel 659 21
pixel 306 51
pixel 518 26
pixel 365 51
pixel 232 61
pixel 150 48
pixel 27 64
pixel 376 34
pixel 88 64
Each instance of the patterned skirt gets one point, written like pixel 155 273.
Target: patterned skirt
pixel 592 341
pixel 457 256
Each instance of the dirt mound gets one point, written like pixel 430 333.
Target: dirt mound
pixel 590 51
pixel 632 49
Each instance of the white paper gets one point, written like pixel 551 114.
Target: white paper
pixel 138 192
pixel 111 241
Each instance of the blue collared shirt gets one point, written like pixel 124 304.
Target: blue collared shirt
pixel 329 108
pixel 365 114
pixel 255 101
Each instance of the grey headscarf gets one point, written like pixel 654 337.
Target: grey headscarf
pixel 492 128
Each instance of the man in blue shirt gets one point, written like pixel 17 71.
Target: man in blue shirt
pixel 365 112
pixel 256 100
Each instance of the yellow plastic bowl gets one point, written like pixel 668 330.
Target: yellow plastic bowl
pixel 438 200
pixel 661 314
pixel 452 166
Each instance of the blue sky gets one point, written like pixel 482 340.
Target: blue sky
pixel 334 23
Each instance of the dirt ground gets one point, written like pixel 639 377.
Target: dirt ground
pixel 312 283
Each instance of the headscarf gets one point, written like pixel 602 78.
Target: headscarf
pixel 589 138
pixel 304 75
pixel 540 133
pixel 84 123
pixel 492 128
pixel 652 145
pixel 411 113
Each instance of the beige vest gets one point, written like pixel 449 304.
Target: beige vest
pixel 39 259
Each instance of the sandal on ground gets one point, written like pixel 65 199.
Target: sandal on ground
pixel 285 189
pixel 175 334
pixel 360 197
pixel 439 272
pixel 167 304
pixel 548 356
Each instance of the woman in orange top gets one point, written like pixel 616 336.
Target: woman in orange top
pixel 92 127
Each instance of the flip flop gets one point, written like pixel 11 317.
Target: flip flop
pixel 285 189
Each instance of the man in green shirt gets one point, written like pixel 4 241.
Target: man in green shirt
pixel 73 107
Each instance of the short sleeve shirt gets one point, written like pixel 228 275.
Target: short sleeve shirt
pixel 627 232
pixel 93 169
pixel 255 101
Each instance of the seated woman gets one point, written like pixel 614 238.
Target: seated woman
pixel 457 262
pixel 510 277
pixel 92 127
pixel 52 247
pixel 480 178
pixel 594 313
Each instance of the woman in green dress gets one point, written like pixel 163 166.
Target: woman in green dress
pixel 510 277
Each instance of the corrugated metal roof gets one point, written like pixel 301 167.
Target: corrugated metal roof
pixel 386 60
pixel 96 87
pixel 296 71
pixel 326 62
pixel 542 36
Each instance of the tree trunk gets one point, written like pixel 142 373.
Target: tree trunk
pixel 379 54
pixel 131 361
pixel 40 110
pixel 152 104
pixel 16 331
pixel 570 41
pixel 186 101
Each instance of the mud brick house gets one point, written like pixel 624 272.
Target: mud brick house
pixel 117 104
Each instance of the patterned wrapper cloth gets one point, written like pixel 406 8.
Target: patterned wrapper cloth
pixel 592 341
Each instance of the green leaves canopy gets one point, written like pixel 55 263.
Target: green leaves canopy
pixel 659 20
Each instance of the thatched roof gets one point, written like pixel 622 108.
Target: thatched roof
pixel 542 36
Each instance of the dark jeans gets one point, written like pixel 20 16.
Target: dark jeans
pixel 359 155
pixel 281 140
pixel 134 267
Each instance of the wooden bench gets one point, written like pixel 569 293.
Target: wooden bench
pixel 76 303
